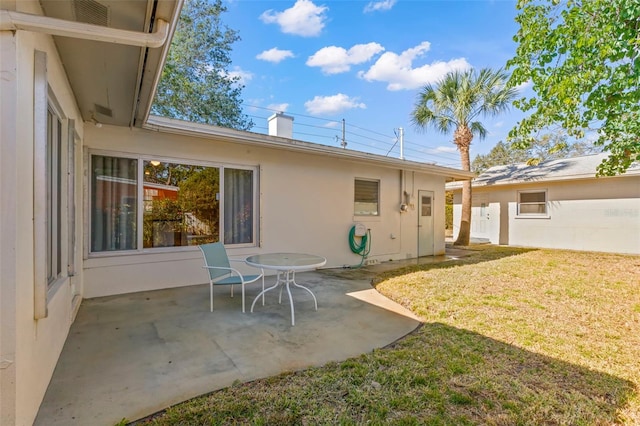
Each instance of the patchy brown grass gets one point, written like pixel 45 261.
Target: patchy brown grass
pixel 510 336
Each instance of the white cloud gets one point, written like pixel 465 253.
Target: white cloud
pixel 398 72
pixel 334 60
pixel 445 149
pixel 304 18
pixel 374 6
pixel 275 55
pixel 332 104
pixel 499 124
pixel 524 86
pixel 278 107
pixel 244 76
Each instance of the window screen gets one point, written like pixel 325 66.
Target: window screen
pixel 532 203
pixel 366 197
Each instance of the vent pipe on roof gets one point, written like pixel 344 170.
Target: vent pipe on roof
pixel 281 125
pixel 12 21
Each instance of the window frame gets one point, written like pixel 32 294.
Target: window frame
pixel 71 198
pixel 256 200
pixel 545 214
pixel 378 203
pixel 54 197
pixel 140 159
pixel 430 205
pixel 51 196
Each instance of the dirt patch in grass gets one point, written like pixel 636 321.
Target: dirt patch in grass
pixel 510 336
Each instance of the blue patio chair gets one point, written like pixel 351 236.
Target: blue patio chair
pixel 221 272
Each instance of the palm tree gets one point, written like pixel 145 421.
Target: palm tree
pixel 456 102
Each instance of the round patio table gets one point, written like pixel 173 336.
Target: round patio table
pixel 286 264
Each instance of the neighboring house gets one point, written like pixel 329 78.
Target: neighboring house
pixel 80 216
pixel 556 204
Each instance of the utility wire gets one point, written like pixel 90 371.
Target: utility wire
pixel 358 138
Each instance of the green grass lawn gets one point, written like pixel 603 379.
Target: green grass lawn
pixel 510 337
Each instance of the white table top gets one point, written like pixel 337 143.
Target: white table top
pixel 286 261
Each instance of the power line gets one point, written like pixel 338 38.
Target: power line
pixel 412 149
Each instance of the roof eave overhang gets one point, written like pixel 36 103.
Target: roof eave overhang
pixel 179 127
pixel 155 60
pixel 481 185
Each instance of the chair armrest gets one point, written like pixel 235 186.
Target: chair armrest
pixel 242 261
pixel 231 270
pixel 218 267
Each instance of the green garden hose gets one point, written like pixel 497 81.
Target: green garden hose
pixel 363 248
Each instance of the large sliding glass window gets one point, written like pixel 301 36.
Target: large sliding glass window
pixel 238 206
pixel 181 204
pixel 114 202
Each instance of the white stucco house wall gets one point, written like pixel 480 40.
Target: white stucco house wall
pixel 87 212
pixel 556 204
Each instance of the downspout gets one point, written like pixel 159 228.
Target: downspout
pixel 12 21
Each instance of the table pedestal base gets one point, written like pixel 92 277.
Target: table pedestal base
pixel 289 278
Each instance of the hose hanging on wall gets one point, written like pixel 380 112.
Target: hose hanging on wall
pixel 363 248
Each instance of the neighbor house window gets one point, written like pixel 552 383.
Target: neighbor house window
pixel 181 204
pixel 366 197
pixel 532 203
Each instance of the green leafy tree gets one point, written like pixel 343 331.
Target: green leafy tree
pixel 195 83
pixel 556 145
pixel 501 154
pixel 550 146
pixel 456 102
pixel 583 58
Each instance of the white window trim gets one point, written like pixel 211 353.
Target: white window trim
pixel 40 109
pixel 140 158
pixel 71 198
pixel 44 101
pixel 61 209
pixel 532 215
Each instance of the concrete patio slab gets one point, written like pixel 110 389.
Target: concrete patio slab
pixel 132 355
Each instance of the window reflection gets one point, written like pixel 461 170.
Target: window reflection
pixel 181 205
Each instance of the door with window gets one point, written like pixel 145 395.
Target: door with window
pixel 425 223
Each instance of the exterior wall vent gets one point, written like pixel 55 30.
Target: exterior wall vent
pixel 99 109
pixel 281 125
pixel 91 12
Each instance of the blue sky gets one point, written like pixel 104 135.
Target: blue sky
pixel 365 62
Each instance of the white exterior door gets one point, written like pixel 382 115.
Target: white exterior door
pixel 480 217
pixel 425 223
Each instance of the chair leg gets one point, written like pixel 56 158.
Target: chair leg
pixel 242 285
pixel 211 294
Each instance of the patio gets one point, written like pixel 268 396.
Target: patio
pixel 132 355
